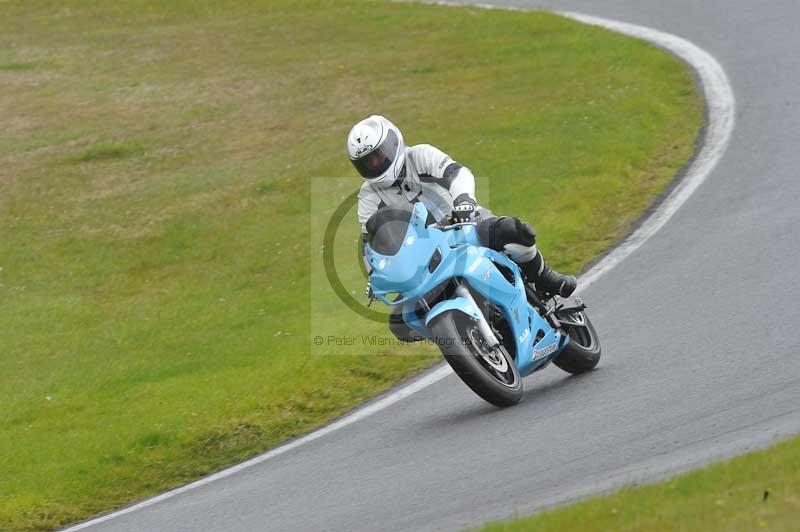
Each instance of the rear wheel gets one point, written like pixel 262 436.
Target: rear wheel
pixel 490 373
pixel 582 353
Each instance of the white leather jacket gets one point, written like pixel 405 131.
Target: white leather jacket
pixel 431 177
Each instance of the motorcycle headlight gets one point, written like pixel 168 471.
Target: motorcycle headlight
pixel 436 259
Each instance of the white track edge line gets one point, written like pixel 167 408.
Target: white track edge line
pixel 720 109
pixel 720 104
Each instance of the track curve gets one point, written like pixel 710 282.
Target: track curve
pixel 698 361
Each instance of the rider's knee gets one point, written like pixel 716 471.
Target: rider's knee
pixel 498 232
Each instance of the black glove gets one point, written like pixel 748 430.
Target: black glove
pixel 463 209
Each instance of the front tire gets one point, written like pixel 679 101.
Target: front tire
pixel 491 374
pixel 582 353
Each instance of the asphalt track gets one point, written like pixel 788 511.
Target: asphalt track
pixel 700 359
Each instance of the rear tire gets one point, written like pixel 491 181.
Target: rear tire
pixel 490 374
pixel 582 353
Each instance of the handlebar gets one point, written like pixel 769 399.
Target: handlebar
pixel 450 227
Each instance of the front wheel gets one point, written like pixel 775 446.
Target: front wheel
pixel 582 353
pixel 490 373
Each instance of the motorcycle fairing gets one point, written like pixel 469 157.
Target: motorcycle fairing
pixel 411 275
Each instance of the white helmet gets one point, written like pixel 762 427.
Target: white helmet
pixel 375 147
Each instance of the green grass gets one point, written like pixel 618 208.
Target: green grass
pixel 108 150
pixel 17 66
pixel 757 491
pixel 157 257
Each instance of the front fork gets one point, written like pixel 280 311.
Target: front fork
pixel 483 325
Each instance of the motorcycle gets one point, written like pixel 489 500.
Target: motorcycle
pixel 491 326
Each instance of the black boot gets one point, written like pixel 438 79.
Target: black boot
pixel 547 280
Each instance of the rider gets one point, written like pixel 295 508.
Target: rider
pixel 397 176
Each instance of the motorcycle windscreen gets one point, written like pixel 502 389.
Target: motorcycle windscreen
pixel 387 228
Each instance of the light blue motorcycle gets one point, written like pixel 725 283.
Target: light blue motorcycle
pixel 473 302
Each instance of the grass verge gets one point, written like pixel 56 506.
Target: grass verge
pixel 155 168
pixel 757 491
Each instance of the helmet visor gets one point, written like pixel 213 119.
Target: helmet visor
pixel 374 163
